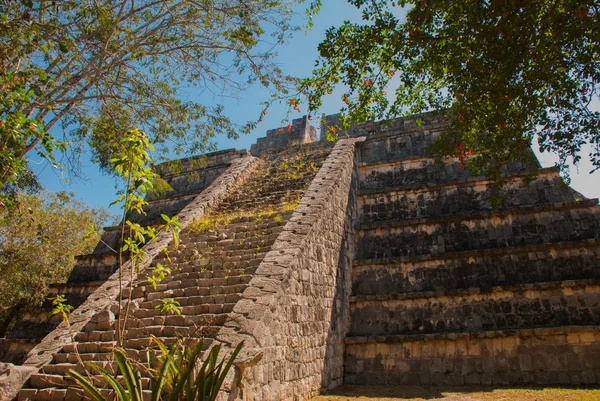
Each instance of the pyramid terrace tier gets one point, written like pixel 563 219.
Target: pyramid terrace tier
pixel 418 172
pixel 192 175
pixel 501 229
pixel 408 146
pixel 543 356
pixel 476 194
pixel 93 267
pixel 15 350
pixel 485 268
pixel 562 303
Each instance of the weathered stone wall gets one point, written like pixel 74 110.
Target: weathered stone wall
pixel 540 356
pixel 552 304
pixel 293 316
pixel 418 173
pixel 432 121
pixel 494 229
pixel 486 268
pixel 300 131
pixel 191 175
pixel 187 178
pixel 466 196
pixel 93 267
pixel 458 281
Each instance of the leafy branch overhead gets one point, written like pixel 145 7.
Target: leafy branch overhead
pixel 90 71
pixel 503 71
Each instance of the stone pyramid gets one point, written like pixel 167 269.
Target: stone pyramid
pixel 360 262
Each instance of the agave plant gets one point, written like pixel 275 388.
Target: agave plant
pixel 176 375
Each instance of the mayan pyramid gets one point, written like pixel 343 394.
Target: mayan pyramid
pixel 362 261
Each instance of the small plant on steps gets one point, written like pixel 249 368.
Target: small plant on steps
pixel 176 375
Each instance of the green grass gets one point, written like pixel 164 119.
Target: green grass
pixel 479 393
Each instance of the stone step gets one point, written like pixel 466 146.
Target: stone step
pixel 570 260
pixel 519 226
pixel 206 319
pixel 540 356
pixel 173 331
pixel 236 229
pixel 60 381
pixel 239 249
pixel 91 347
pixel 134 353
pixel 202 281
pixel 229 244
pixel 215 266
pixel 196 283
pixel 96 335
pixel 61 369
pixel 71 358
pixel 189 281
pixel 274 201
pixel 59 394
pixel 565 303
pixel 68 394
pixel 156 320
pixel 194 300
pixel 142 344
pixel 212 308
pixel 209 256
pixel 240 269
pixel 44 380
pixel 468 196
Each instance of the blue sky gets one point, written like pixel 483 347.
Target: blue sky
pixel 296 58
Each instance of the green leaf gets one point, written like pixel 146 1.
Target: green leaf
pixel 85 384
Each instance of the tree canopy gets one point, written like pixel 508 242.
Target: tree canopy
pixel 90 71
pixel 38 243
pixel 503 71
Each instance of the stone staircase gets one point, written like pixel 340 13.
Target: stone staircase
pixel 210 269
pixel 190 178
pixel 456 282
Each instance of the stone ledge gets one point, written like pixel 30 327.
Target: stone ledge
pixel 587 203
pixel 463 182
pixel 399 162
pixel 475 291
pixel 533 332
pixel 593 242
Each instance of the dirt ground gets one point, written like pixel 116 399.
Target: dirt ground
pixel 408 393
